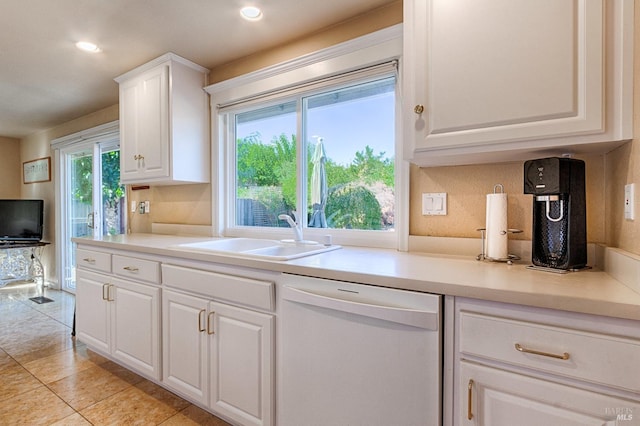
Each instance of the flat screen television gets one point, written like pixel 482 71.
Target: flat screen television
pixel 21 220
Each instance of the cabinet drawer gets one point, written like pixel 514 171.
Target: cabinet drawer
pixel 242 290
pixel 96 260
pixel 136 269
pixel 594 357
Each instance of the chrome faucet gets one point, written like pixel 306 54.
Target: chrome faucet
pixel 295 225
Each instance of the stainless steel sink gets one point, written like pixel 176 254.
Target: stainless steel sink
pixel 258 248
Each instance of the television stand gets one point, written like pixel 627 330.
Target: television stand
pixel 20 261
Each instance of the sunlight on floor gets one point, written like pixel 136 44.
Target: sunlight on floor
pixel 47 377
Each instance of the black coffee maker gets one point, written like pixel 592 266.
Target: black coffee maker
pixel 559 239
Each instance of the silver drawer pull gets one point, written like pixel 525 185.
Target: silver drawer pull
pixel 522 349
pixel 130 268
pixel 89 260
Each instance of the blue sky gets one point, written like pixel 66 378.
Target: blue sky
pixel 346 127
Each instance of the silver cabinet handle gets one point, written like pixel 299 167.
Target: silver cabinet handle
pixel 565 356
pixel 106 285
pixel 131 268
pixel 200 326
pixel 89 260
pixel 209 326
pixel 106 289
pixel 469 399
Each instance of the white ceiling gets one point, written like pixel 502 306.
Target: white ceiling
pixel 46 81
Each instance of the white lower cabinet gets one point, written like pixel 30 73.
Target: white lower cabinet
pixel 219 356
pixel 527 366
pixel 501 398
pixel 120 318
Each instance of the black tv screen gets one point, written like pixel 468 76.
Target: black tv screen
pixel 21 220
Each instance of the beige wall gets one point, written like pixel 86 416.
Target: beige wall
pixel 377 19
pixel 10 168
pixel 183 204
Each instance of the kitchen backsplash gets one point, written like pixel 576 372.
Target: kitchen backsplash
pixel 467 187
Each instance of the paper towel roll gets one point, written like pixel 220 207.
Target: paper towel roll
pixel 496 226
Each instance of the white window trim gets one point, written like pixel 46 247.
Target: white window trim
pixel 372 49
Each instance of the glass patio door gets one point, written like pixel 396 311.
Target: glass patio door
pixel 92 201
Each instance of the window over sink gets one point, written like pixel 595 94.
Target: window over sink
pixel 321 149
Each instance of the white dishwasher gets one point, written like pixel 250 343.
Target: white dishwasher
pixel 357 355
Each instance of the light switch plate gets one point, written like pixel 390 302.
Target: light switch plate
pixel 434 203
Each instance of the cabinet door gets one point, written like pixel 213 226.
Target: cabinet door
pixel 241 364
pixel 184 345
pixel 135 324
pixel 92 310
pixel 489 396
pixel 503 70
pixel 144 125
pixel 129 123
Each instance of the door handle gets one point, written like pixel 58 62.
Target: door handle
pixel 90 221
pixel 210 329
pixel 106 285
pixel 106 289
pixel 200 326
pixel 469 399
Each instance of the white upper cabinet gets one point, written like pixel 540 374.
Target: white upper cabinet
pixel 502 80
pixel 164 137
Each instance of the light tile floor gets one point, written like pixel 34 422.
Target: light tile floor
pixel 49 378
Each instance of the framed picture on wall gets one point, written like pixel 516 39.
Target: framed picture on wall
pixel 38 170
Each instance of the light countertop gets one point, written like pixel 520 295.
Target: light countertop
pixel 589 291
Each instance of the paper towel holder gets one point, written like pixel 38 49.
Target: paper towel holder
pixel 510 257
pixel 483 256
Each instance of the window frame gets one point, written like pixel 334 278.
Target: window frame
pixel 358 60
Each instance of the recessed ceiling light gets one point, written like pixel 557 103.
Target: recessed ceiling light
pixel 87 46
pixel 251 13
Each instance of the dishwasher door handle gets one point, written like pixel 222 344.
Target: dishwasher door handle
pixel 414 317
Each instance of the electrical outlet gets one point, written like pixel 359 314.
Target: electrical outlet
pixel 629 201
